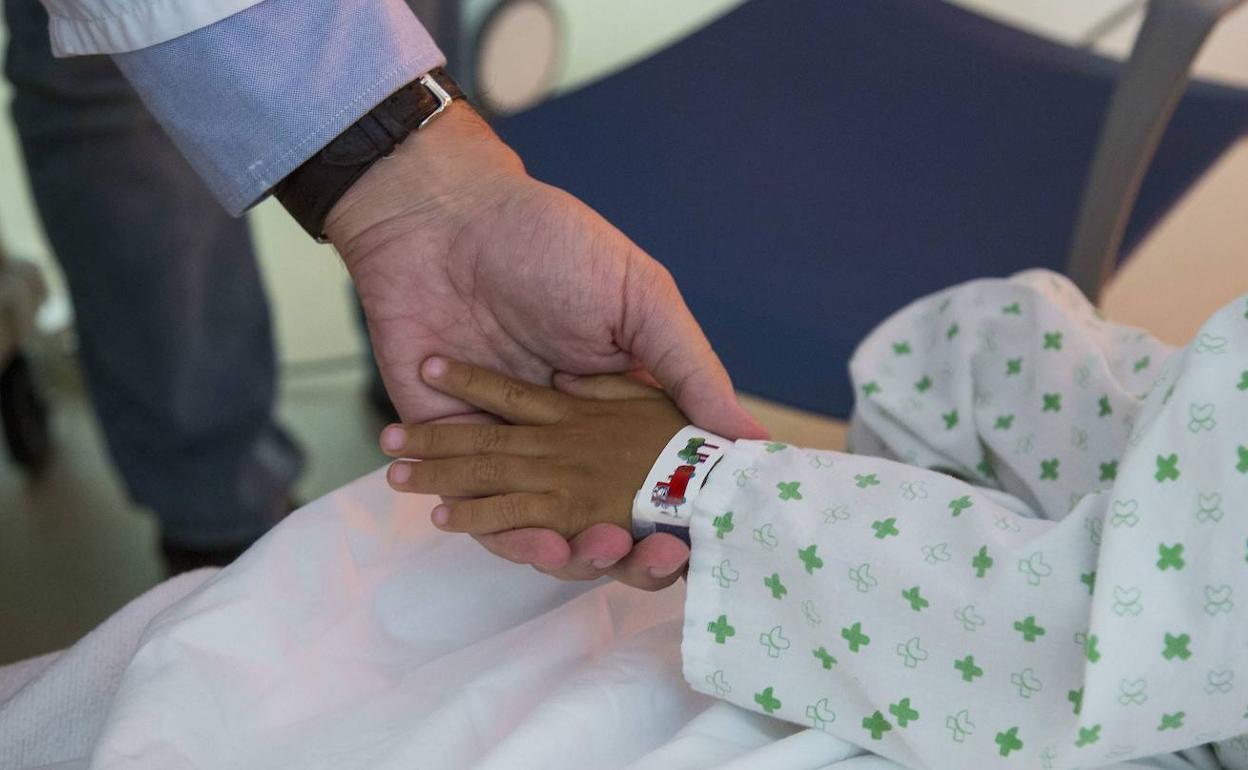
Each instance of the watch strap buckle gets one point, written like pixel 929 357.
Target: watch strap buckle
pixel 311 190
pixel 444 98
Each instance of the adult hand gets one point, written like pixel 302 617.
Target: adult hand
pixel 455 250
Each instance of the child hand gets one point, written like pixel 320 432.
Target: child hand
pixel 565 463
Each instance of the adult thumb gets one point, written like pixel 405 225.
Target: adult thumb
pixel 668 342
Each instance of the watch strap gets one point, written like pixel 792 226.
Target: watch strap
pixel 310 191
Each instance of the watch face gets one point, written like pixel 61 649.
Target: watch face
pixel 517 55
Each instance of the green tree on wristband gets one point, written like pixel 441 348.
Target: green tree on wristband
pixel 692 453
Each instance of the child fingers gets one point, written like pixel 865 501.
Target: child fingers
pixel 513 400
pixel 605 387
pixel 472 476
pixel 487 515
pixel 431 442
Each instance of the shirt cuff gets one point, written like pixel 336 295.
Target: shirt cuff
pixel 250 98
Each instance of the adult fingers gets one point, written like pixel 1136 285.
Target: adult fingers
pixel 544 549
pixel 654 563
pixel 593 552
pixel 668 342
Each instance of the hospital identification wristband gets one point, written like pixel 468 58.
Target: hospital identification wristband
pixel 665 501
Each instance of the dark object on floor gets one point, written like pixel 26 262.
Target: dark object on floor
pixel 23 410
pixel 883 149
pixel 25 415
pixel 179 559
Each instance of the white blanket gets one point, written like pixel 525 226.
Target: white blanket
pixel 356 635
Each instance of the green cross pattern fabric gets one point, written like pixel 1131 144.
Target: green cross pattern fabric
pixel 1065 588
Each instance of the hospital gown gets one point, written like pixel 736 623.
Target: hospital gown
pixel 1053 573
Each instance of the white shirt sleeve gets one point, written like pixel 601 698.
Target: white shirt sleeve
pixel 82 27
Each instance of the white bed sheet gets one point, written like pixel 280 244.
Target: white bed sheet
pixel 356 636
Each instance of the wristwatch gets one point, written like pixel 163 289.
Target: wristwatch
pixel 311 190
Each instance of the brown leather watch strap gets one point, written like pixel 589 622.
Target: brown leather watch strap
pixel 311 190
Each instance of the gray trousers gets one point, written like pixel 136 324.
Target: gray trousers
pixel 172 319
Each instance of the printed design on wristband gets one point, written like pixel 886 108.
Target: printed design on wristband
pixel 665 500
